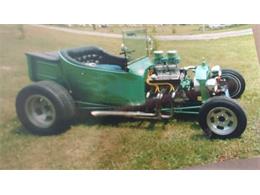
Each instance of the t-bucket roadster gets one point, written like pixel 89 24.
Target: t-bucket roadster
pixel 143 84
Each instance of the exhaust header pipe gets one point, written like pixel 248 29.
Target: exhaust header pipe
pixel 122 113
pixel 129 114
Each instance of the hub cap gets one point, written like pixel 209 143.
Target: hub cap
pixel 40 111
pixel 222 121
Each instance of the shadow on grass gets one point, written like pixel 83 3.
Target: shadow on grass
pixel 16 128
pixel 199 137
pixel 115 121
pixel 20 130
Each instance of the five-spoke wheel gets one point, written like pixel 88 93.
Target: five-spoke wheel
pixel 222 117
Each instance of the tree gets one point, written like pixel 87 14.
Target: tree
pixel 20 28
pixel 94 27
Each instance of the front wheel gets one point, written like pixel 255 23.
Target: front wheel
pixel 235 82
pixel 221 117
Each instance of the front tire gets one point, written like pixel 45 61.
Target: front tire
pixel 45 108
pixel 221 117
pixel 235 82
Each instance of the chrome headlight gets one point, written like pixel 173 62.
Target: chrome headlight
pixel 211 84
pixel 216 70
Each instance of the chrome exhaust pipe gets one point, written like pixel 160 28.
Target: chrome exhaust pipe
pixel 122 113
pixel 131 114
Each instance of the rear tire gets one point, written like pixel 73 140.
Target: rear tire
pixel 235 82
pixel 45 108
pixel 221 117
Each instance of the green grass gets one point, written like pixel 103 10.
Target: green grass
pixel 162 29
pixel 119 143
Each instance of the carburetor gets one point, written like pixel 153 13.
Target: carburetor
pixel 166 65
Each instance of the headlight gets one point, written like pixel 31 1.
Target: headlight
pixel 196 85
pixel 211 84
pixel 216 70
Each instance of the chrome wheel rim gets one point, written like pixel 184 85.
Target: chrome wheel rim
pixel 40 111
pixel 222 120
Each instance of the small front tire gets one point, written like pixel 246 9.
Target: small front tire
pixel 221 117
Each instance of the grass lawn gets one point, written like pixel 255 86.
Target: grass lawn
pixel 119 143
pixel 163 29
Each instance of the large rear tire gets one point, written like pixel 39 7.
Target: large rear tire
pixel 235 82
pixel 45 108
pixel 221 117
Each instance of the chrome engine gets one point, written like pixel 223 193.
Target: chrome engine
pixel 167 79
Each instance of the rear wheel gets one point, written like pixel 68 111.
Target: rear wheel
pixel 235 82
pixel 45 108
pixel 222 117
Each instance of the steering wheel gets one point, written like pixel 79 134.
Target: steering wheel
pixel 126 51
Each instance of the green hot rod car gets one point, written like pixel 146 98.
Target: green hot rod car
pixel 143 84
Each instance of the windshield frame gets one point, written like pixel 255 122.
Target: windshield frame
pixel 144 41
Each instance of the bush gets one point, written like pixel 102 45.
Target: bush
pixel 173 30
pixel 154 30
pixel 20 28
pixel 94 27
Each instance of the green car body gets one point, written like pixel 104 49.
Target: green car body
pixel 93 86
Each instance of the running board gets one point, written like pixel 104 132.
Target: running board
pixel 129 114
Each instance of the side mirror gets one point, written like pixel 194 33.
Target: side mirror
pixel 123 47
pixel 124 52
